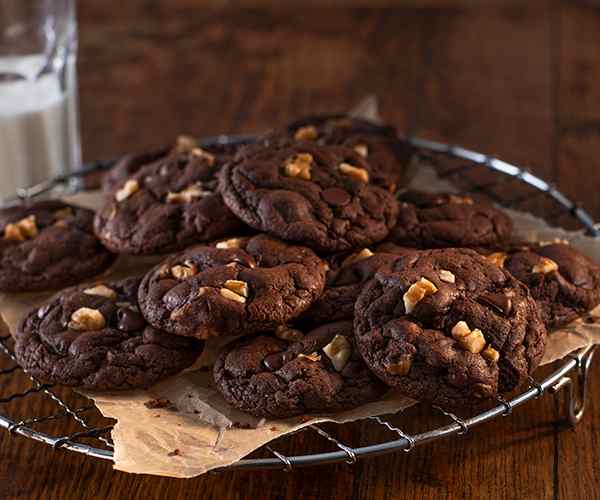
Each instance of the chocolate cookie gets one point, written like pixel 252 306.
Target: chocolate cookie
pixel 167 205
pixel 449 327
pixel 94 337
pixel 345 279
pixel 288 372
pixel 388 155
pixel 47 245
pixel 428 220
pixel 241 285
pixel 564 282
pixel 129 164
pixel 320 196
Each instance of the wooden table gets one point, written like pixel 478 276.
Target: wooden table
pixel 519 82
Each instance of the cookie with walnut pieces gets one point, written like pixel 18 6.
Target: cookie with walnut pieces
pixel 167 205
pixel 291 372
pixel 237 286
pixel 564 282
pixel 319 196
pixel 449 327
pixel 441 220
pixel 94 337
pixel 46 245
pixel 388 155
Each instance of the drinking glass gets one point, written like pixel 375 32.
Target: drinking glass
pixel 39 124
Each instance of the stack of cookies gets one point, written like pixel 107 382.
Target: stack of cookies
pixel 334 282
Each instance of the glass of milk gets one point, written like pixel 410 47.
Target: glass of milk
pixel 39 125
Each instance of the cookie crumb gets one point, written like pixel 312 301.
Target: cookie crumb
pixel 152 404
pixel 174 453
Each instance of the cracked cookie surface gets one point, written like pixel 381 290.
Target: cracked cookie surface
pixel 240 285
pixel 47 245
pixel 564 282
pixel 94 337
pixel 318 196
pixel 291 372
pixel 167 205
pixel 449 327
pixel 388 155
pixel 428 220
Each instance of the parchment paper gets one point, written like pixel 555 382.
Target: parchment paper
pixel 200 431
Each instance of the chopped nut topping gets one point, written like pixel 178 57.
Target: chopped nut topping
pixel 130 187
pixel 201 291
pixel 460 330
pixel 290 334
pixel 417 292
pixel 460 200
pixel 362 150
pixel 188 195
pixel 490 354
pixel 360 174
pixel 446 276
pixel 545 265
pixel 102 291
pixel 308 133
pixel 231 295
pixel 21 230
pixel 231 243
pixel 201 153
pixel 86 319
pixel 314 357
pixel 63 213
pixel 185 144
pixel 338 351
pixel 299 166
pixel 474 342
pixel 497 258
pixel 401 367
pixel 555 241
pixel 471 340
pixel 365 253
pixel 237 286
pixel 185 270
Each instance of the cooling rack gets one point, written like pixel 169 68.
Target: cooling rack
pixel 76 425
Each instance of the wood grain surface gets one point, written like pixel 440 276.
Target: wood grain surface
pixel 518 80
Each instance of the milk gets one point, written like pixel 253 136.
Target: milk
pixel 39 133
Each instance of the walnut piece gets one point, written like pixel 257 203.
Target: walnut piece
pixel 130 187
pixel 400 367
pixel 231 243
pixel 362 150
pixel 446 276
pixel 471 340
pixel 307 133
pixel 201 153
pixel 21 230
pixel 299 166
pixel 460 200
pixel 417 292
pixel 490 354
pixel 185 270
pixel 497 258
pixel 237 286
pixel 360 174
pixel 188 194
pixel 365 253
pixel 185 144
pixel 102 291
pixel 314 357
pixel 86 319
pixel 545 265
pixel 338 351
pixel 290 334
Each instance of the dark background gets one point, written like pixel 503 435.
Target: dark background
pixel 518 80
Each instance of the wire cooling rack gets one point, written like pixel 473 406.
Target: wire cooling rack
pixel 75 423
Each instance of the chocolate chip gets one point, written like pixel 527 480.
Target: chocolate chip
pixel 498 301
pixel 336 197
pixel 275 361
pixel 130 321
